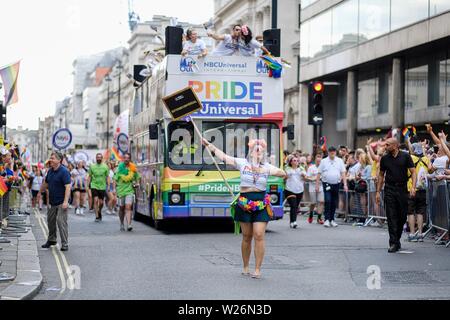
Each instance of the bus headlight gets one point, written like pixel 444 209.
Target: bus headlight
pixel 274 198
pixel 175 198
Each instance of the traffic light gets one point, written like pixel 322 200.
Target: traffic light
pixel 2 115
pixel 315 103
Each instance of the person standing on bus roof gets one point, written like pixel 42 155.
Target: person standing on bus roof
pixel 126 176
pixel 253 209
pixel 248 47
pixel 97 179
pixel 193 46
pixel 228 45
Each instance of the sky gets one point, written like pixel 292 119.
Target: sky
pixel 48 35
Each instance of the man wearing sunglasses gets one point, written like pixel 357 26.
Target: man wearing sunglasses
pixel 228 45
pixel 393 175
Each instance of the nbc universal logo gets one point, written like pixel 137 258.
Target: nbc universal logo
pixel 261 67
pixel 187 64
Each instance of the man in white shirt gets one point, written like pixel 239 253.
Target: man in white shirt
pixel 331 173
pixel 228 45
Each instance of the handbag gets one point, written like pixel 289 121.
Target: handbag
pixel 361 186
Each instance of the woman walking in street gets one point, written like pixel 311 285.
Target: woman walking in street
pixel 294 187
pixel 253 210
pixel 36 184
pixel 79 176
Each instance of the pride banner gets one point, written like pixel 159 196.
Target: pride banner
pixel 9 75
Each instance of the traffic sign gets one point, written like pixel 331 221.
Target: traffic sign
pixel 317 120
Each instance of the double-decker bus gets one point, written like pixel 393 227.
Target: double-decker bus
pixel 240 102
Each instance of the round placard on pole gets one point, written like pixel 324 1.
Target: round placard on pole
pixel 62 139
pixel 123 143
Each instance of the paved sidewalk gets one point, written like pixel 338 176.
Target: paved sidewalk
pixel 20 260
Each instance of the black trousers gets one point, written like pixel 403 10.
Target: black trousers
pixel 396 206
pixel 294 202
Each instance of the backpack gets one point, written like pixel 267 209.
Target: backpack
pixel 421 173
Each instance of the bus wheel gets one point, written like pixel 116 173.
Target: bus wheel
pixel 158 224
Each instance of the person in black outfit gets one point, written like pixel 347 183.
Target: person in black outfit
pixel 394 168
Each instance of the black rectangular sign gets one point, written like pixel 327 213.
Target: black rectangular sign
pixel 182 103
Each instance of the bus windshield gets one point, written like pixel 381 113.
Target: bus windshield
pixel 185 151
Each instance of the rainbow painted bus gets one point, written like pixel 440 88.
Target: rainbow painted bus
pixel 240 102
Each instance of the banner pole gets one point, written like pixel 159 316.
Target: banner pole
pixel 214 160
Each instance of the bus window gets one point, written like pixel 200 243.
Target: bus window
pixel 186 152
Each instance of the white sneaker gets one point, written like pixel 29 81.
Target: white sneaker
pixel 295 225
pixel 77 211
pixel 82 212
pixel 334 224
pixel 326 224
pixel 292 225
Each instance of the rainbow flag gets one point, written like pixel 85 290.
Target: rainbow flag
pixel 3 187
pixel 115 155
pixel 410 130
pixel 9 75
pixel 323 144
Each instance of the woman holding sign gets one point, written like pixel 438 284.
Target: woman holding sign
pixel 253 210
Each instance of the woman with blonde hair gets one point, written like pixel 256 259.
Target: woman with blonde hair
pixel 253 210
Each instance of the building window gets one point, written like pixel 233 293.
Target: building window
pixel 373 18
pixel 320 35
pixel 368 97
pixel 406 12
pixel 416 87
pixel 304 42
pixel 352 22
pixel 86 124
pixel 344 25
pixel 306 3
pixel 439 6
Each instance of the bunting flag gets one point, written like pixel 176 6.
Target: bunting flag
pixel 9 76
pixel 323 144
pixel 3 187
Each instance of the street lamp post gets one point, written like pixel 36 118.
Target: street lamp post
pixel 119 68
pixel 108 80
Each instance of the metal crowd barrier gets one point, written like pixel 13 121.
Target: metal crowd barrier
pixel 438 208
pixel 361 205
pixel 351 204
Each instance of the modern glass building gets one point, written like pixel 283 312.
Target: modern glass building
pixel 387 63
